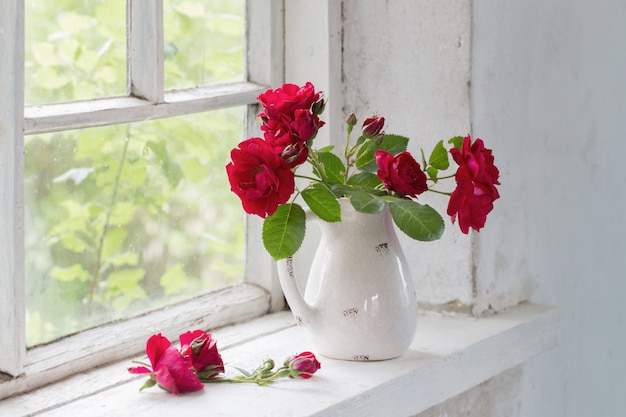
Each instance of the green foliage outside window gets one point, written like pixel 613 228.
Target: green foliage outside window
pixel 123 219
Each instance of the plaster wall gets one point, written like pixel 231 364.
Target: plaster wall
pixel 549 90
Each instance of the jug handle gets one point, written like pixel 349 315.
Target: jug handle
pixel 302 311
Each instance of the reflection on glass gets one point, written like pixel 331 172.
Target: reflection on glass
pixel 204 42
pixel 75 49
pixel 125 219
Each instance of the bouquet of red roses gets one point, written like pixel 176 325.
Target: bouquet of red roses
pixel 372 171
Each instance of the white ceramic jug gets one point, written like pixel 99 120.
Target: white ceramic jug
pixel 359 302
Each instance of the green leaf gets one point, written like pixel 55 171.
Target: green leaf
pixel 73 242
pixel 341 190
pixel 322 202
pixel 123 287
pixel 50 78
pixel 44 53
pixel 365 180
pixel 332 167
pixel 418 221
pixel 125 258
pixel 171 169
pixel 174 280
pixel 394 144
pixel 70 273
pixel 122 214
pixel 150 382
pixel 125 280
pixel 244 372
pixel 283 231
pixel 366 203
pixel 195 171
pixel 439 157
pixel 135 174
pixel 113 241
pixel 366 157
pixel 432 173
pixel 457 141
pixel 326 149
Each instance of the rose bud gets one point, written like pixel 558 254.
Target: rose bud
pixel 303 365
pixel 373 126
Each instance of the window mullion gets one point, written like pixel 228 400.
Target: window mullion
pixel 12 286
pixel 265 66
pixel 145 49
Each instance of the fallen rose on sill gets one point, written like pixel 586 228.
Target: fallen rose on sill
pixel 198 361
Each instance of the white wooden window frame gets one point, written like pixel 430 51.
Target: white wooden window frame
pixel 23 369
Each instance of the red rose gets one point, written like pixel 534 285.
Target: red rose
pixel 401 173
pixel 476 179
pixel 200 350
pixel 169 368
pixel 305 124
pixel 287 99
pixel 260 178
pixel 303 365
pixel 285 143
pixel 372 126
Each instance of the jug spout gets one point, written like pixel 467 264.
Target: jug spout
pixel 303 313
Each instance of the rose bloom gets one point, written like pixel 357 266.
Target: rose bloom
pixel 260 178
pixel 285 142
pixel 401 173
pixel 200 350
pixel 305 124
pixel 169 368
pixel 304 365
pixel 476 179
pixel 287 99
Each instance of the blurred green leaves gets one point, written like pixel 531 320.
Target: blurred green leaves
pixel 112 233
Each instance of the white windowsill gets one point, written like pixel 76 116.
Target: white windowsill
pixel 450 354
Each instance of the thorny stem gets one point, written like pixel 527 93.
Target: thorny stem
pixel 347 153
pixel 105 227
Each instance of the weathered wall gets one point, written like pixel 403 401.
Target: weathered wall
pixel 549 88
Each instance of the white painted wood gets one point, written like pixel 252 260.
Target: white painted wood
pixel 265 66
pixel 265 24
pixel 12 307
pixel 81 114
pixel 145 49
pixel 114 341
pixel 449 355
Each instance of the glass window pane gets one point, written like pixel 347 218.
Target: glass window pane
pixel 124 219
pixel 75 49
pixel 204 42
